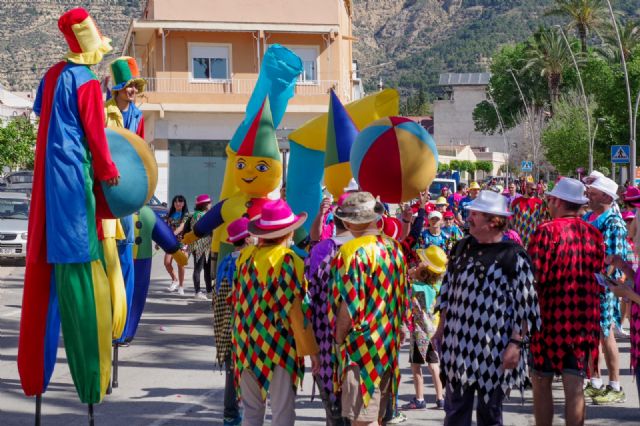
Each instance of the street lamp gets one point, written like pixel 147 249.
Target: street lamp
pixel 526 107
pixel 632 133
pixel 584 98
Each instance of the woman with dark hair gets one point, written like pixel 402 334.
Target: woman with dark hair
pixel 176 219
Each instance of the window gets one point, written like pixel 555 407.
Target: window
pixel 309 56
pixel 209 62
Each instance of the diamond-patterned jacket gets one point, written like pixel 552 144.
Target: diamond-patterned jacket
pixel 487 293
pixel 371 278
pixel 269 281
pixel 566 254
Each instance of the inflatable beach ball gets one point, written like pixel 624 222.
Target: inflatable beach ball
pixel 394 158
pixel 138 176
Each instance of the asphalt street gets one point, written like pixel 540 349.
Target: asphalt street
pixel 168 376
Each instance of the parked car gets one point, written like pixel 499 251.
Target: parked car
pixel 159 207
pixel 14 216
pixel 435 189
pixel 21 181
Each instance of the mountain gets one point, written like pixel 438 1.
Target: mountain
pixel 406 43
pixel 30 41
pixel 422 38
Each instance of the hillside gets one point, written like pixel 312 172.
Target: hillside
pixel 416 39
pixel 30 41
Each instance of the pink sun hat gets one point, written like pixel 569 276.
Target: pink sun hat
pixel 202 199
pixel 276 220
pixel 628 215
pixel 238 229
pixel 632 195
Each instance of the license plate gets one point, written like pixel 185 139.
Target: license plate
pixel 7 250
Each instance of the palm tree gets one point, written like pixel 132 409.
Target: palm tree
pixel 548 52
pixel 629 36
pixel 584 15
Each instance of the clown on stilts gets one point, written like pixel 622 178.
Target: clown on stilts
pixel 65 282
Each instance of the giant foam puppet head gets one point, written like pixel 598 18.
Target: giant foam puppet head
pixel 258 165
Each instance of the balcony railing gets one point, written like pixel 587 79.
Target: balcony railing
pixel 231 86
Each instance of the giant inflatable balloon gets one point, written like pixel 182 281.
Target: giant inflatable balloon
pixel 341 132
pixel 394 158
pixel 308 144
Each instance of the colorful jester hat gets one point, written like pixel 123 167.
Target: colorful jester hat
pixel 86 45
pixel 124 71
pixel 341 132
pixel 258 162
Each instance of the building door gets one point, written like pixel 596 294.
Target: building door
pixel 196 167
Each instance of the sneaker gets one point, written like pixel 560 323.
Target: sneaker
pixel 181 291
pixel 173 287
pixel 200 295
pixel 610 396
pixel 232 421
pixel 440 404
pixel 414 404
pixel 591 392
pixel 397 419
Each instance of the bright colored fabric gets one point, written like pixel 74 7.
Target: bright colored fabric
pixel 566 254
pixel 269 280
pixel 71 150
pixel 528 214
pixel 614 233
pixel 132 119
pixel 222 311
pixel 370 277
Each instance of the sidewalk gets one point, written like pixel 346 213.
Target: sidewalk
pixel 168 375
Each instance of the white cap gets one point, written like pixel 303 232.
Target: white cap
pixel 491 203
pixel 605 185
pixel 571 190
pixel 352 186
pixel 433 214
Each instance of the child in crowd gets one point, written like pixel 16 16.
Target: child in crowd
pixel 426 280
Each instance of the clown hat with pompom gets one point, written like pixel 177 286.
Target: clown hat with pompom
pixel 261 140
pixel 124 71
pixel 86 45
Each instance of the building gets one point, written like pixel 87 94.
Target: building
pixel 453 115
pixel 13 105
pixel 201 59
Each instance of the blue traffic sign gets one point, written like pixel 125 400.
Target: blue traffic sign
pixel 526 166
pixel 620 154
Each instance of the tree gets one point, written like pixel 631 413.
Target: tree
pixel 469 167
pixel 629 36
pixel 442 167
pixel 548 52
pixel 564 140
pixel 584 15
pixel 455 165
pixel 17 143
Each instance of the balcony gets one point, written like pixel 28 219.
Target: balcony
pixel 231 86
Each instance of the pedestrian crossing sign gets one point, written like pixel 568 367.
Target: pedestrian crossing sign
pixel 526 166
pixel 620 154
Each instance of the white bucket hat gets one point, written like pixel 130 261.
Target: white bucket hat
pixel 491 203
pixel 605 185
pixel 571 190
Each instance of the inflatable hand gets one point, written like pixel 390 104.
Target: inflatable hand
pixel 189 238
pixel 180 257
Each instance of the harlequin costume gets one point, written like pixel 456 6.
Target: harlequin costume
pixel 566 253
pixel 124 72
pixel 614 233
pixel 320 285
pixel 528 214
pixel 64 275
pixel 370 277
pixel 270 334
pixel 487 293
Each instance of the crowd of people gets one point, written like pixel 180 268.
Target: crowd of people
pixel 493 291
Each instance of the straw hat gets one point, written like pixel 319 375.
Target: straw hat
pixel 474 185
pixel 359 207
pixel 276 220
pixel 434 258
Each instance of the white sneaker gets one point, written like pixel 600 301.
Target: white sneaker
pixel 181 291
pixel 173 287
pixel 200 295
